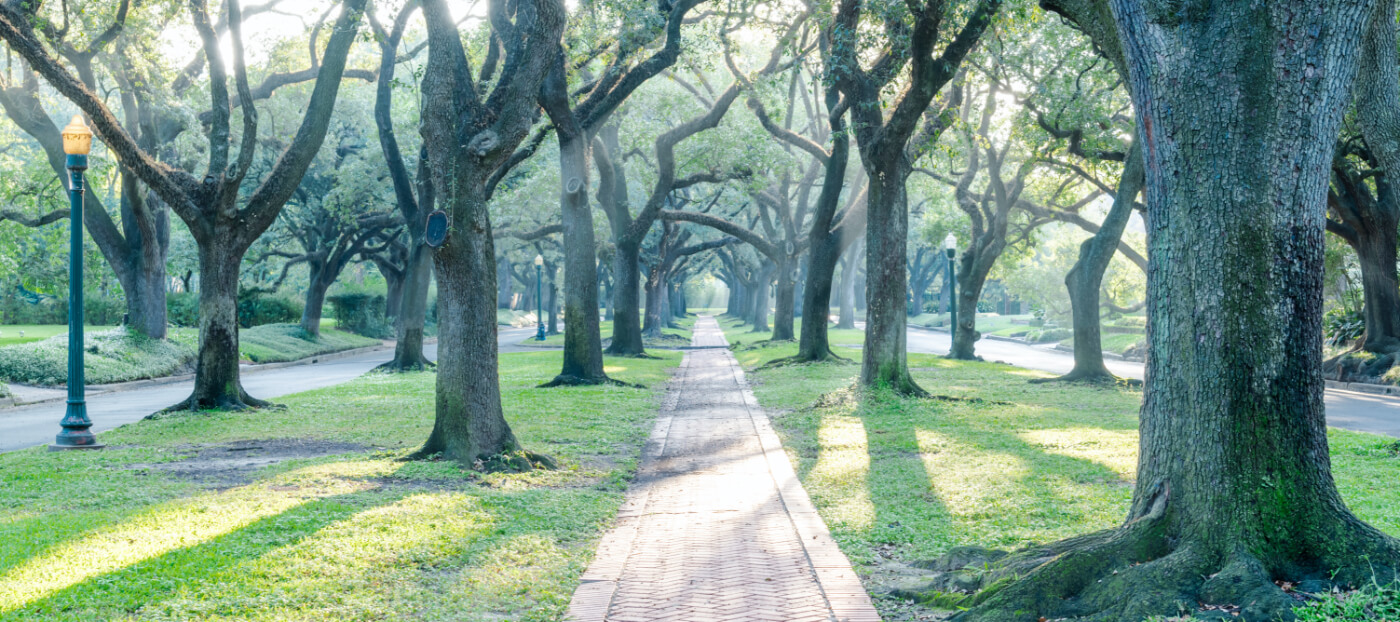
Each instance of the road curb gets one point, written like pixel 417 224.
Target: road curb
pixel 117 387
pixel 1364 387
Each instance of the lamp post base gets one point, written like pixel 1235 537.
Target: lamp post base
pixel 75 434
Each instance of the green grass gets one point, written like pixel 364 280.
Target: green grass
pixel 276 343
pixel 10 333
pixel 507 317
pixel 358 535
pixel 1117 343
pixel 908 479
pixel 112 355
pixel 674 336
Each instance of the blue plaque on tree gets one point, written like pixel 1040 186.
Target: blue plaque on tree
pixel 435 232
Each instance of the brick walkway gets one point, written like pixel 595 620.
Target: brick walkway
pixel 717 527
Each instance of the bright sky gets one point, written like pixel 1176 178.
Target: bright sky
pixel 290 20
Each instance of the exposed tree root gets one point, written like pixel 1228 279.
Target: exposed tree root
pixel 518 461
pixel 1103 378
pixel 419 363
pixel 193 403
pixel 638 355
pixel 1141 570
pixel 1360 365
pixel 831 358
pixel 579 381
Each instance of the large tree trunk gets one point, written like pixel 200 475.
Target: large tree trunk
pixel 847 317
pixel 1086 277
pixel 216 382
pixel 315 300
pixel 758 314
pixel 783 303
pixel 145 299
pixel 1376 249
pixel 470 424
pixel 816 302
pixel 656 292
pixel 973 268
pixel 1239 107
pixel 393 295
pixel 583 347
pixel 553 306
pixel 504 296
pixel 413 311
pixel 627 325
pixel 886 238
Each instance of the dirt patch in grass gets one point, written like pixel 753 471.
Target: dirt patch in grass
pixel 225 465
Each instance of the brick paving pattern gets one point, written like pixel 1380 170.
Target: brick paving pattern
pixel 717 527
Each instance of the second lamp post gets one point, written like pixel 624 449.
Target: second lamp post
pixel 539 295
pixel 950 244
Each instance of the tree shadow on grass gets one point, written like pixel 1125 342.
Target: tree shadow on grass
pixel 210 562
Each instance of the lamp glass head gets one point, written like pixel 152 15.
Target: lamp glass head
pixel 539 260
pixel 950 242
pixel 77 138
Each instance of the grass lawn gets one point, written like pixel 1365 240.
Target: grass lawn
pixel 680 336
pixel 10 333
pixel 507 317
pixel 276 343
pixel 114 355
pixel 157 528
pixel 903 480
pixel 1116 343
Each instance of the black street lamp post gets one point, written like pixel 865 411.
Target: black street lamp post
pixel 77 142
pixel 539 295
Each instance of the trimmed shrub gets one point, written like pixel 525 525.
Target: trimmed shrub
pixel 257 309
pixel 361 313
pixel 276 343
pixel 182 309
pixel 1047 335
pixel 111 356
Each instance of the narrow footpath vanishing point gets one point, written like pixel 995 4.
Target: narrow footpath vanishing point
pixel 717 527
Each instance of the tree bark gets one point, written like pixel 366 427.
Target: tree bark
pixel 583 345
pixel 887 233
pixel 783 303
pixel 216 381
pixel 467 139
pixel 1085 279
pixel 1239 107
pixel 758 314
pixel 1376 249
pixel 627 325
pixel 504 296
pixel 847 318
pixel 315 299
pixel 413 311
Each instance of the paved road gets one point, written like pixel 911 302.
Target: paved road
pixel 1345 409
pixel 716 527
pixel 28 426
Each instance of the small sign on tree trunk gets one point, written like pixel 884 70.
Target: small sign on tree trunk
pixel 435 232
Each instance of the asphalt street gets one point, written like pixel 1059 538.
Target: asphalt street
pixel 28 426
pixel 1345 409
